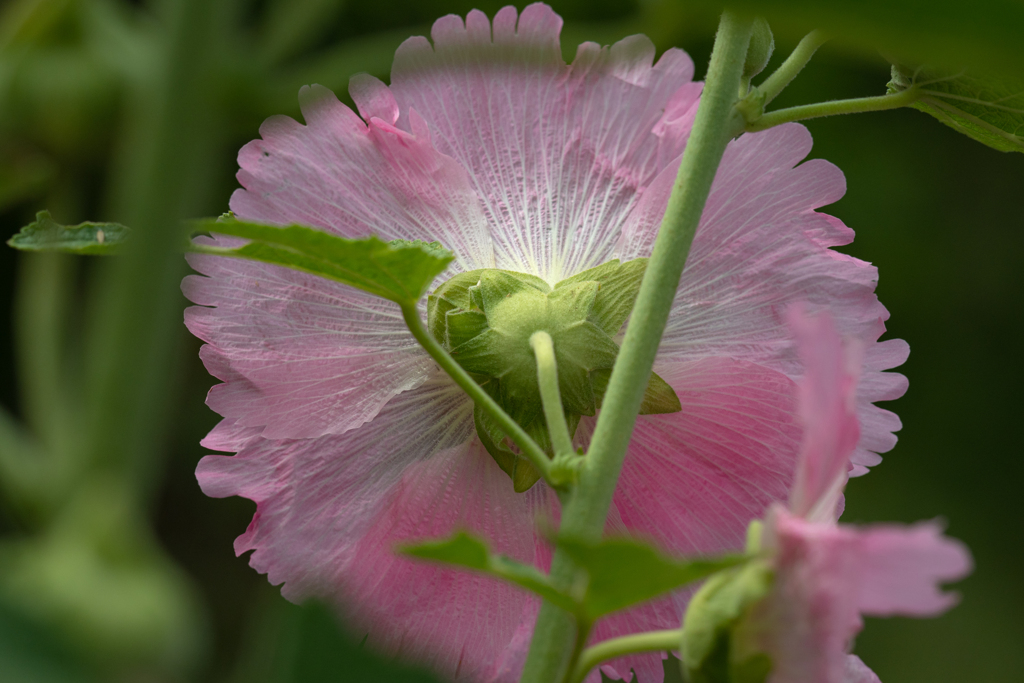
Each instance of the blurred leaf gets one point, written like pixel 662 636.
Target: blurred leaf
pixel 401 270
pixel 986 33
pixel 291 24
pixel 626 571
pixel 470 552
pixel 987 109
pixel 45 234
pixel 99 578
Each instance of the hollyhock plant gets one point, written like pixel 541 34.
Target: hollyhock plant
pixel 548 182
pixel 826 575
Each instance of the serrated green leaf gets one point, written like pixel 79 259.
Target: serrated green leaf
pixel 989 110
pixel 45 234
pixel 464 550
pixel 400 271
pixel 625 571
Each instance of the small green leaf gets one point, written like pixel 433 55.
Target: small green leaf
pixel 45 234
pixel 625 571
pixel 989 110
pixel 400 271
pixel 464 550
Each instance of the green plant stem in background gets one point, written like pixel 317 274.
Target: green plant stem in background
pixel 585 511
pixel 132 348
pixel 41 312
pixel 550 396
pixel 858 105
pixel 652 641
pixel 794 64
pixel 526 444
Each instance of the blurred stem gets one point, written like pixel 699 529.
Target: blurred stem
pixel 41 311
pixel 585 511
pixel 652 641
pixel 854 106
pixel 547 379
pixel 793 65
pixel 526 444
pixel 132 350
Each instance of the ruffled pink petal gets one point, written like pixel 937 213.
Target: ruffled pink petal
pixel 761 247
pixel 457 622
pixel 807 623
pixel 826 576
pixel 828 411
pixel 299 355
pixel 317 498
pixel 558 154
pixel 902 568
pixel 356 179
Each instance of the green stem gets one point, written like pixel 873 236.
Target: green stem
pixel 793 65
pixel 550 396
pixel 854 106
pixel 652 641
pixel 526 444
pixel 585 511
pixel 582 634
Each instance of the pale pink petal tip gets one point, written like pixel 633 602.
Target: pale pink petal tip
pixel 828 394
pixel 858 672
pixel 903 569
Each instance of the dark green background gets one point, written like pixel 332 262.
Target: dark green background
pixel 940 215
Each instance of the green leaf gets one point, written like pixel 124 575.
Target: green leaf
pixel 400 271
pixel 45 234
pixel 987 109
pixel 625 571
pixel 464 550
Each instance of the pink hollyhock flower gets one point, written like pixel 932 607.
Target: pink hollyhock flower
pixel 827 575
pixel 350 439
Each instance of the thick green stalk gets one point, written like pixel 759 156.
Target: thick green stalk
pixel 547 379
pixel 584 513
pixel 526 444
pixel 793 65
pixel 858 105
pixel 652 641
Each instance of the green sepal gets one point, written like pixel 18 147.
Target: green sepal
pixel 45 234
pixel 519 468
pixel 989 110
pixel 618 285
pixel 622 572
pixel 659 397
pixel 709 652
pixel 762 45
pixel 400 271
pixel 467 551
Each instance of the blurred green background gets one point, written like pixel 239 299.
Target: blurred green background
pixel 114 566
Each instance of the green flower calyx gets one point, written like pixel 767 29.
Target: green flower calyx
pixel 484 319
